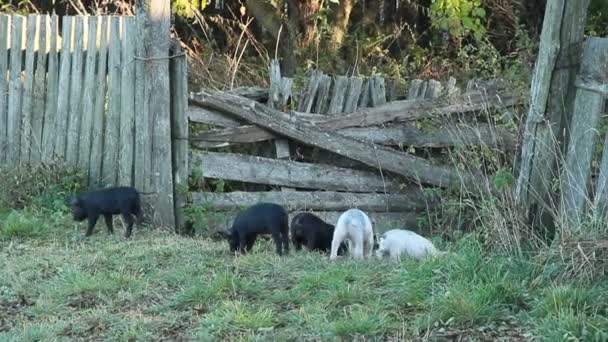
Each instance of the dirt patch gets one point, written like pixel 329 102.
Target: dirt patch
pixel 85 300
pixel 11 310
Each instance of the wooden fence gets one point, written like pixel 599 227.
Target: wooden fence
pixel 72 96
pixel 355 124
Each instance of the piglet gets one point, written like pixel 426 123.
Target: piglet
pixel 123 200
pixel 355 227
pixel 400 241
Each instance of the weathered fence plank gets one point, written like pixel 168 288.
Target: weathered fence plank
pixel 143 148
pixel 112 133
pixel 4 41
pixel 322 102
pixel 28 87
pixel 75 92
pixel 408 110
pixel 309 92
pixel 414 168
pixel 15 91
pixel 353 94
pixel 63 89
pixel 584 131
pixel 179 133
pixel 414 89
pixel 336 105
pixel 457 135
pixel 158 18
pixel 377 90
pixel 127 103
pixel 253 169
pixel 50 106
pixel 317 200
pixel 277 99
pixel 39 90
pixel 88 100
pixel 364 99
pixel 97 133
pixel 434 89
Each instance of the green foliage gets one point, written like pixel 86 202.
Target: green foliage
pixel 188 8
pixel 32 224
pixel 597 20
pixel 44 185
pixel 459 17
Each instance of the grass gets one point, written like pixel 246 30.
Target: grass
pixel 56 285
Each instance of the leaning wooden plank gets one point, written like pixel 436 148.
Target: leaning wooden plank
pixel 179 132
pixel 415 168
pixel 381 220
pixel 4 41
pixel 353 94
pixel 404 111
pixel 538 147
pixel 88 99
pixel 588 106
pixel 14 92
pixel 445 136
pixel 233 135
pixel 97 133
pixel 71 154
pixel 112 133
pixel 50 106
pixel 253 169
pixel 28 89
pixel 409 110
pixel 315 200
pixel 127 103
pixel 253 93
pixel 336 105
pixel 63 93
pixel 202 115
pixel 453 135
pixel 377 90
pixel 39 91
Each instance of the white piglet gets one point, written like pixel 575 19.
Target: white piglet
pixel 399 241
pixel 355 227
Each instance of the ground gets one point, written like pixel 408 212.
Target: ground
pixel 162 287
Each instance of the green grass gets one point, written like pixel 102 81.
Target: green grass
pixel 56 285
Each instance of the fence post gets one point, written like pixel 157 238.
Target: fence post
pixel 157 94
pixel 179 133
pixel 585 121
pixel 551 98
